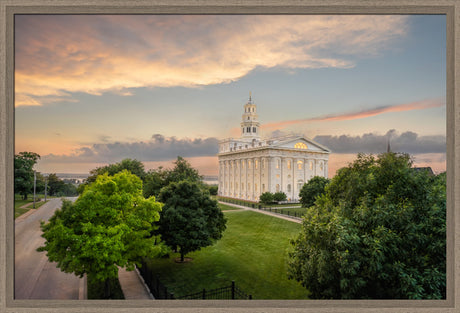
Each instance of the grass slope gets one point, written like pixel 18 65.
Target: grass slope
pixel 252 252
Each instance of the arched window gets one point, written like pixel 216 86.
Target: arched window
pixel 255 187
pixel 311 165
pixel 289 164
pixel 299 164
pixel 277 187
pixel 289 188
pixel 300 145
pixel 256 164
pixel 277 163
pixel 249 164
pixel 253 129
pixel 263 187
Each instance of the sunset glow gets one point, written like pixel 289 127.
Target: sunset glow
pixel 94 89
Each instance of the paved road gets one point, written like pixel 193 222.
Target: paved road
pixel 35 277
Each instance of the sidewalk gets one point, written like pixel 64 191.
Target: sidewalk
pixel 133 285
pixel 278 215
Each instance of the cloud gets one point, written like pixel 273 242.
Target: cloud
pixel 407 142
pixel 417 105
pixel 59 55
pixel 159 148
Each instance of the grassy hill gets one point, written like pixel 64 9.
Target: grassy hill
pixel 252 252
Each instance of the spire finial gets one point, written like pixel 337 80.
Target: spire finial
pixel 250 97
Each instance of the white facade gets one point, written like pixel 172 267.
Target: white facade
pixel 249 166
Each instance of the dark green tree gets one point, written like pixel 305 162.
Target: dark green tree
pixel 159 178
pixel 279 196
pixel 213 190
pixel 311 190
pixel 133 166
pixel 55 185
pixel 154 181
pixel 109 226
pixel 24 173
pixel 266 198
pixel 378 232
pixel 190 219
pixel 182 171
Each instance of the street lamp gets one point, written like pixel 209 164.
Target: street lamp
pixel 35 184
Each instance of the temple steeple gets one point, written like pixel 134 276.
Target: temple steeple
pixel 250 124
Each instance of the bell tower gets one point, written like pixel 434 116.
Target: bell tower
pixel 249 124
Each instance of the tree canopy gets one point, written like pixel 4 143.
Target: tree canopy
pixel 24 173
pixel 378 232
pixel 159 178
pixel 311 190
pixel 190 219
pixel 109 225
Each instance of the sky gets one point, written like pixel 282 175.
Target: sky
pixel 94 89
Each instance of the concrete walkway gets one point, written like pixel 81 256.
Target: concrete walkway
pixel 278 215
pixel 133 285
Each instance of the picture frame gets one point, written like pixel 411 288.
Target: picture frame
pixel 9 8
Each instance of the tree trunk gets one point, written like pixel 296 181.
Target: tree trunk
pixel 107 288
pixel 181 256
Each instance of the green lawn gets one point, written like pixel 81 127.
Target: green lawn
pixel 225 207
pixel 18 203
pixel 252 252
pixel 290 211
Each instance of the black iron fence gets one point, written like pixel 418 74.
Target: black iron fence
pixel 279 210
pixel 160 291
pixel 231 292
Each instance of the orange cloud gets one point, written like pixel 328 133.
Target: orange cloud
pixel 59 55
pixel 418 105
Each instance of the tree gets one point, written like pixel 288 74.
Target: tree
pixel 154 181
pixel 213 190
pixel 379 231
pixel 266 198
pixel 159 178
pixel 55 185
pixel 24 173
pixel 279 196
pixel 182 171
pixel 311 190
pixel 190 219
pixel 132 165
pixel 109 226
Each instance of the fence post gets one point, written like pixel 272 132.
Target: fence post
pixel 233 290
pixel 204 294
pixel 166 293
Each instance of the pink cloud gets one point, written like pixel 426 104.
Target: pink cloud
pixel 58 55
pixel 417 105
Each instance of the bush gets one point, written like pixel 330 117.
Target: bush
pixel 266 198
pixel 279 196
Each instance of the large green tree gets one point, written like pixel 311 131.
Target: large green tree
pixel 109 226
pixel 159 178
pixel 311 190
pixel 190 219
pixel 378 232
pixel 132 165
pixel 24 173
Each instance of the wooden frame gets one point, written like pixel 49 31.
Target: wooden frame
pixel 10 7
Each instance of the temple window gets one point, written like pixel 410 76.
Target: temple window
pixel 300 145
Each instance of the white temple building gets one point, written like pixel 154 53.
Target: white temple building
pixel 250 166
